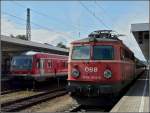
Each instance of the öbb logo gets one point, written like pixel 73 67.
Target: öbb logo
pixel 91 69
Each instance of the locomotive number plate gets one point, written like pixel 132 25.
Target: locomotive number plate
pixel 91 69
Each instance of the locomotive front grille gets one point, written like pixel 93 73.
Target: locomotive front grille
pixel 92 89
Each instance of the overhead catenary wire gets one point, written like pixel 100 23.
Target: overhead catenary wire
pixel 58 21
pixel 107 14
pixel 45 15
pixel 93 14
pixel 39 26
pixel 104 11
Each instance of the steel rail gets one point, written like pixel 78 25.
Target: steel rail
pixel 19 104
pixel 10 91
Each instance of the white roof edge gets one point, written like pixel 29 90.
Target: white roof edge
pixel 140 27
pixel 30 43
pixel 34 52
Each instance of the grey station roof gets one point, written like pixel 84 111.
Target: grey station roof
pixel 140 27
pixel 6 41
pixel 140 32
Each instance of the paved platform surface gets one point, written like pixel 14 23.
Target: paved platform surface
pixel 5 79
pixel 137 98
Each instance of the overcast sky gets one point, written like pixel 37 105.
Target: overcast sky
pixel 65 21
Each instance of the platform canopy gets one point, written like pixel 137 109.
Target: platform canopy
pixel 13 45
pixel 141 33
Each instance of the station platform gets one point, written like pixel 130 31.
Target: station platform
pixel 137 98
pixel 3 79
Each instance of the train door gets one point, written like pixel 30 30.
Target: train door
pixel 49 67
pixel 41 66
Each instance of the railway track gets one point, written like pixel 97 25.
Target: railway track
pixel 82 108
pixel 19 104
pixel 10 91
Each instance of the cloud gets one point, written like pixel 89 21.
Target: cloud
pixel 37 35
pixel 8 27
pixel 123 26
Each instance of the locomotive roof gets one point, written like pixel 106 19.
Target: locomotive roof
pixel 101 39
pixel 97 39
pixel 100 35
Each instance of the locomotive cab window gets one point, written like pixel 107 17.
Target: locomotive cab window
pixel 81 53
pixel 103 52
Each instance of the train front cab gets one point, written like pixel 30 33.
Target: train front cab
pixel 21 67
pixel 39 66
pixel 97 70
pixel 26 67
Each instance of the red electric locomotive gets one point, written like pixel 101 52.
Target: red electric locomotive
pixel 100 64
pixel 39 66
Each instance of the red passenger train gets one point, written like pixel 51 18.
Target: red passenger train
pixel 100 64
pixel 39 66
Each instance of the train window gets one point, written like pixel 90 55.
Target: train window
pixel 128 55
pixel 21 62
pixel 38 63
pixel 49 64
pixel 81 53
pixel 103 52
pixel 41 63
pixel 122 54
pixel 132 57
pixel 65 64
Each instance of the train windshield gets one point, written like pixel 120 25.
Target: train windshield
pixel 81 53
pixel 103 52
pixel 21 62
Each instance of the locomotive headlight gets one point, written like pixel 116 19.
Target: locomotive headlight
pixel 107 73
pixel 75 73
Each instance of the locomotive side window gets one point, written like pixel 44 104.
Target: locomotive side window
pixel 128 55
pixel 103 52
pixel 122 54
pixel 81 53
